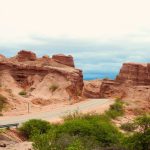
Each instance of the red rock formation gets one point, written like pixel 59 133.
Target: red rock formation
pixel 26 56
pixel 92 89
pixel 66 60
pixel 132 83
pixel 2 57
pixel 138 74
pixel 39 74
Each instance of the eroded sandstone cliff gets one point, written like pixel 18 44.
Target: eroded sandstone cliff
pixel 132 84
pixel 51 79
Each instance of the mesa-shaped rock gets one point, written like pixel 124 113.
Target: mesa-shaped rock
pixel 66 60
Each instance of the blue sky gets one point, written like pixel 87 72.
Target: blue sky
pixel 100 35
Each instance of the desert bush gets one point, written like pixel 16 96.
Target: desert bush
pixel 143 122
pixel 76 145
pixel 34 127
pixel 2 102
pixel 44 141
pixel 102 130
pixel 53 87
pixel 128 127
pixel 116 109
pixel 73 115
pixel 140 139
pixel 23 93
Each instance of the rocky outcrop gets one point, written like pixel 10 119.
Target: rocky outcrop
pixel 92 89
pixel 66 60
pixel 2 57
pixel 40 76
pixel 26 56
pixel 137 74
pixel 132 83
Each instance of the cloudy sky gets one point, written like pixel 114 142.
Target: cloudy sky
pixel 100 34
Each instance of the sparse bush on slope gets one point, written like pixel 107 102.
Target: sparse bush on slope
pixel 2 102
pixel 23 93
pixel 116 109
pixel 140 139
pixel 53 87
pixel 129 127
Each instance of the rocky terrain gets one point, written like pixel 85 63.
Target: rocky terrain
pixel 25 78
pixel 132 85
pixel 41 81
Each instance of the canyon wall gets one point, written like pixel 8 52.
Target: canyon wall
pixel 53 79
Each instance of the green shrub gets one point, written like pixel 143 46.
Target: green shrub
pixel 143 122
pixel 140 139
pixel 102 130
pixel 2 102
pixel 128 127
pixel 116 109
pixel 53 87
pixel 76 145
pixel 23 93
pixel 44 141
pixel 34 127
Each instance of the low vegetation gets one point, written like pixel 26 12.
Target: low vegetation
pixel 89 132
pixel 129 127
pixel 53 87
pixel 23 93
pixel 2 103
pixel 116 109
pixel 34 127
pixel 140 138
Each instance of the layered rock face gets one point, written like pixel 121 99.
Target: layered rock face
pixel 132 83
pixel 66 60
pixel 92 89
pixel 138 74
pixel 43 78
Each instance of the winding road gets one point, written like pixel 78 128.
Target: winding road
pixel 84 106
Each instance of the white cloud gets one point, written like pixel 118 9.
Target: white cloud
pixel 97 19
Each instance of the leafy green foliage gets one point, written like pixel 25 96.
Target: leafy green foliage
pixel 76 145
pixel 44 141
pixel 97 126
pixel 116 109
pixel 34 127
pixel 140 140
